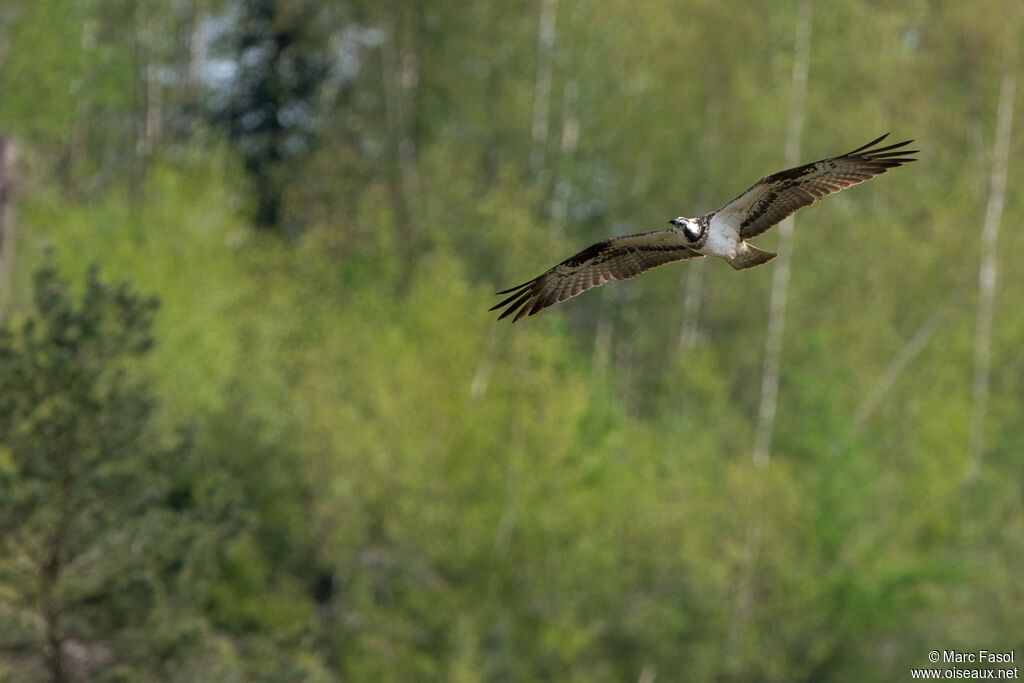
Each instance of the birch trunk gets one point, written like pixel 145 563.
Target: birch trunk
pixel 773 343
pixel 570 138
pixel 780 277
pixel 400 68
pixel 896 367
pixel 890 374
pixel 987 276
pixel 197 52
pixel 542 89
pixel 149 96
pixel 693 283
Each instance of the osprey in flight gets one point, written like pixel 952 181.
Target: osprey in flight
pixel 721 233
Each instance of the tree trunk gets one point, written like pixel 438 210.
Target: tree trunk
pixel 8 13
pixel 8 187
pixel 49 576
pixel 196 54
pixel 892 372
pixel 693 283
pixel 542 88
pixel 744 602
pixel 987 276
pixel 570 139
pixel 780 277
pixel 896 367
pixel 149 105
pixel 400 68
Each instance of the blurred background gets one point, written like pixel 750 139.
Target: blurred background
pixel 273 434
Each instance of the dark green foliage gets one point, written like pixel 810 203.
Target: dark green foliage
pixel 381 483
pixel 272 110
pixel 107 534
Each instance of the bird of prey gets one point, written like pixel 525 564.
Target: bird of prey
pixel 722 233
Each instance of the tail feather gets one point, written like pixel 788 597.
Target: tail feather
pixel 750 256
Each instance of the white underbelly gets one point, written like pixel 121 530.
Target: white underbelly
pixel 722 241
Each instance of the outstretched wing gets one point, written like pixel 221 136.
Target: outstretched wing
pixel 776 196
pixel 616 258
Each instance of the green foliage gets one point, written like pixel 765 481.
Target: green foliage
pixel 380 482
pixel 271 112
pixel 107 535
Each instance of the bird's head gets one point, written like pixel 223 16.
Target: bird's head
pixel 689 227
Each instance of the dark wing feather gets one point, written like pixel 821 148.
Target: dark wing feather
pixel 778 195
pixel 616 258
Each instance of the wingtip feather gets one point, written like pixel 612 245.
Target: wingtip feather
pixel 512 289
pixel 870 144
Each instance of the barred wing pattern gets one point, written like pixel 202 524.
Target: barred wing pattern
pixel 723 233
pixel 776 196
pixel 616 258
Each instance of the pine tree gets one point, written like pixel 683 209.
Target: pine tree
pixel 106 535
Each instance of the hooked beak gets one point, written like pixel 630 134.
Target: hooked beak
pixel 676 222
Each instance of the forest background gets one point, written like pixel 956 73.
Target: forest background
pixel 272 433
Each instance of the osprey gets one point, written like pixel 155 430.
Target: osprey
pixel 722 233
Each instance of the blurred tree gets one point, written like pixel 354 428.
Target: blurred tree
pixel 280 61
pixel 8 187
pixel 987 275
pixel 106 535
pixel 429 496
